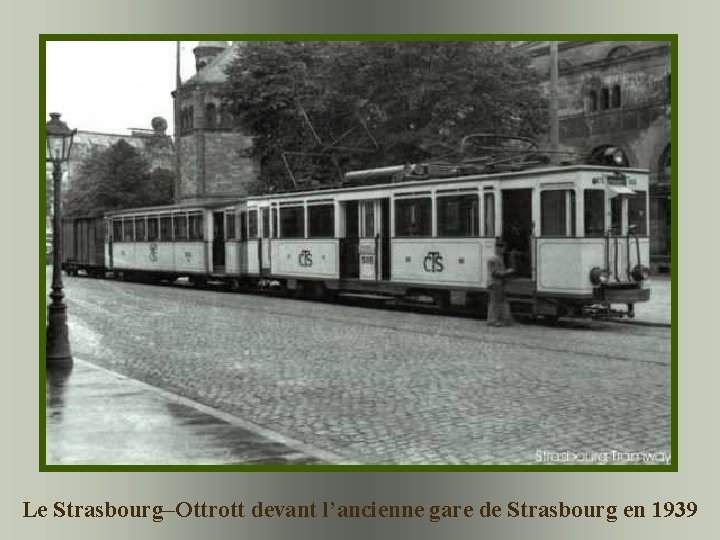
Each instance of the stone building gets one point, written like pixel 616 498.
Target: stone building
pixel 617 93
pixel 154 144
pixel 213 158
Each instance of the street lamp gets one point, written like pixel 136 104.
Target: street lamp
pixel 59 139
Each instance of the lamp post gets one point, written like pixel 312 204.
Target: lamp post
pixel 58 138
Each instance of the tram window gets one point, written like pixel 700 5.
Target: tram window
pixel 180 222
pixel 489 214
pixel 252 224
pixel 554 207
pixel 152 229
pixel 243 225
pixel 413 217
pixel 165 229
pixel 369 220
pixel 230 226
pixel 616 215
pixel 458 216
pixel 292 222
pixel 140 229
pixel 195 227
pixel 594 212
pixel 321 221
pixel 637 212
pixel 117 230
pixel 274 215
pixel 265 222
pixel 128 230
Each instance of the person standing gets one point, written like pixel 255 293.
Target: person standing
pixel 498 305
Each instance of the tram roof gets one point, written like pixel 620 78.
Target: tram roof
pixel 180 207
pixel 227 203
pixel 558 169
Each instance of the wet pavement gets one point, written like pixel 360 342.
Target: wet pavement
pixel 139 424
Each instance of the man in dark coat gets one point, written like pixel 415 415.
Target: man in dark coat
pixel 498 305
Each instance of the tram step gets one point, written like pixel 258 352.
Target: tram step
pixel 520 299
pixel 364 296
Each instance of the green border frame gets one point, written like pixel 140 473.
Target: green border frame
pixel 673 467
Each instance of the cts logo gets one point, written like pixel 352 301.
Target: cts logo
pixel 433 262
pixel 305 258
pixel 153 252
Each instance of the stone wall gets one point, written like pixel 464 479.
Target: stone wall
pixel 639 122
pixel 189 187
pixel 229 169
pixel 216 164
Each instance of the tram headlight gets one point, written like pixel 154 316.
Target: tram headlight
pixel 615 156
pixel 618 157
pixel 598 276
pixel 640 273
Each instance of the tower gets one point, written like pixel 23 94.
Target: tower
pixel 214 155
pixel 206 51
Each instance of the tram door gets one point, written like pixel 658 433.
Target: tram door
pixel 374 244
pixel 517 228
pixel 349 244
pixel 218 244
pixel 264 242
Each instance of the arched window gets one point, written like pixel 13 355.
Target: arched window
pixel 226 117
pixel 592 100
pixel 605 98
pixel 210 115
pixel 615 96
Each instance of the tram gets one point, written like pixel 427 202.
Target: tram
pixel 576 234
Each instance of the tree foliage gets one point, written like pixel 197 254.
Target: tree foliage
pixel 116 178
pixel 366 104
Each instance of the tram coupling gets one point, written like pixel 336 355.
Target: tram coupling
pixel 599 311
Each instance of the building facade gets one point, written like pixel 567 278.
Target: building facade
pixel 617 93
pixel 213 155
pixel 153 143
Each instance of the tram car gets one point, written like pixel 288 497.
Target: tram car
pixel 577 236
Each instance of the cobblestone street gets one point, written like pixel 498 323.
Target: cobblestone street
pixel 380 387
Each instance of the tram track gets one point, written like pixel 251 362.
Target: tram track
pixel 595 352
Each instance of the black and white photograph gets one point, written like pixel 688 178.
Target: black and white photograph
pixel 318 253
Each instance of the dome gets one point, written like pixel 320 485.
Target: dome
pixel 159 124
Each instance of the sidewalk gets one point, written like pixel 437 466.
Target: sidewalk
pixel 659 309
pixel 99 417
